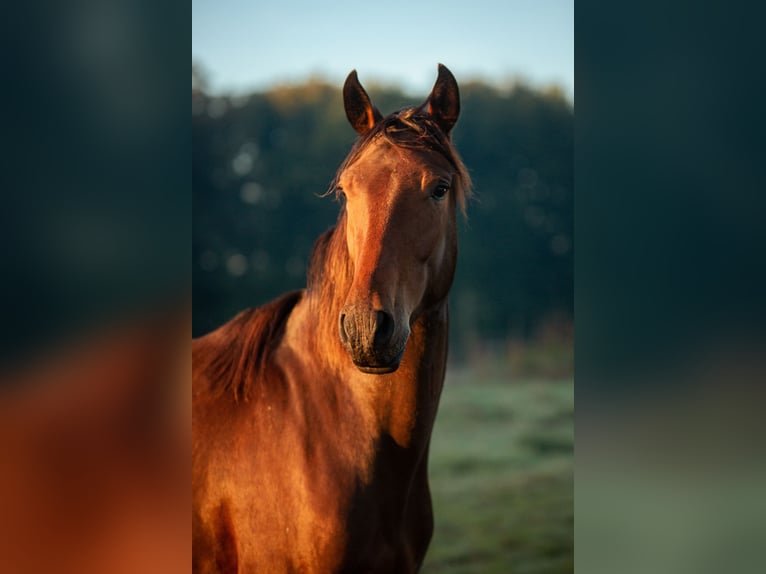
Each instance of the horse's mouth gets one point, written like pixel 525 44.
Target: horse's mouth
pixel 376 369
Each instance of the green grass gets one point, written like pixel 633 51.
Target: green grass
pixel 501 477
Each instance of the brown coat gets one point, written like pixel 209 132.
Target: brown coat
pixel 312 415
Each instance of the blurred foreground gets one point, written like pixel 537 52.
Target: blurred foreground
pixel 94 452
pixel 671 469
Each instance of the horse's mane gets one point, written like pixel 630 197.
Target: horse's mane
pixel 320 260
pixel 412 128
pixel 234 356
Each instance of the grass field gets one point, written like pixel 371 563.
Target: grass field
pixel 501 477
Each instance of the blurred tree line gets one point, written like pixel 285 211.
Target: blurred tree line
pixel 260 162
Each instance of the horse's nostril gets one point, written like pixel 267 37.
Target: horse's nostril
pixel 384 327
pixel 342 327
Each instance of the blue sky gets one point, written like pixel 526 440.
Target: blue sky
pixel 251 44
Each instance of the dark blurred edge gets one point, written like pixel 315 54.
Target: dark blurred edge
pixel 95 291
pixel 669 269
pixel 97 215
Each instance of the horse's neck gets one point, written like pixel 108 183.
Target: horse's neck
pixel 400 405
pixel 395 412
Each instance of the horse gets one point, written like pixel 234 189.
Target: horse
pixel 312 415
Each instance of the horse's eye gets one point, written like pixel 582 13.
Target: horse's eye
pixel 440 191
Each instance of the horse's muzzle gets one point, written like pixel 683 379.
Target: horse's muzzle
pixel 371 339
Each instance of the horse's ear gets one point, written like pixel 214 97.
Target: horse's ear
pixel 359 109
pixel 444 102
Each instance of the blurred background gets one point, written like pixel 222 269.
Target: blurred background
pixel 268 133
pixel 95 306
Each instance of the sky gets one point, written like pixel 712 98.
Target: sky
pixel 245 45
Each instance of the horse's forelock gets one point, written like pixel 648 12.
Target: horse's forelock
pixel 410 128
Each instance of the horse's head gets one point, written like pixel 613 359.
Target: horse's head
pixel 402 183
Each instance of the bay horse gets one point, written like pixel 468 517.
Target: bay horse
pixel 312 415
